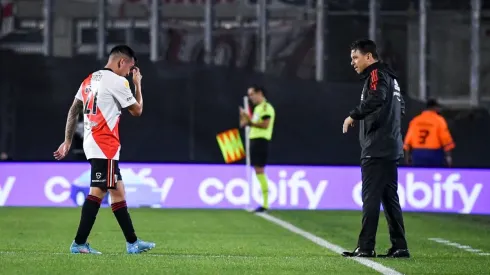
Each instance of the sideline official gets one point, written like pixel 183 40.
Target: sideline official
pixel 262 126
pixel 379 114
pixel 428 142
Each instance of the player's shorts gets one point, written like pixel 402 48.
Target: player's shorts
pixel 259 152
pixel 105 173
pixel 428 158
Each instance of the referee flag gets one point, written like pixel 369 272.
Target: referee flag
pixel 231 145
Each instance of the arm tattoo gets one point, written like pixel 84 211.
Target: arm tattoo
pixel 71 121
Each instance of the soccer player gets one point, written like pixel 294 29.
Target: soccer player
pixel 262 125
pixel 428 142
pixel 101 97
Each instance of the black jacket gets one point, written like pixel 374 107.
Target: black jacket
pixel 380 112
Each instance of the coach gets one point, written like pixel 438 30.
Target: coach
pixel 379 114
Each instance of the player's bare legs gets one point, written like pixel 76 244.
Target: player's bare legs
pixel 89 213
pixel 120 210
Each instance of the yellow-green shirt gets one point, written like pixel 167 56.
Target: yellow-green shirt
pixel 262 112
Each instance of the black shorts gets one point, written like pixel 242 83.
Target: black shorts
pixel 259 152
pixel 105 173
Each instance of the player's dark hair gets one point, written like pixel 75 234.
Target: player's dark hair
pixel 124 50
pixel 258 89
pixel 365 46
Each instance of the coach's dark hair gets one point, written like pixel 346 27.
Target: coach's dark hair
pixel 125 50
pixel 365 46
pixel 258 88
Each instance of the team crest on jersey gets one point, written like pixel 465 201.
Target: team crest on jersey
pixel 98 175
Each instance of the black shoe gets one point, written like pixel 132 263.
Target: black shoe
pixel 360 253
pixel 260 210
pixel 396 253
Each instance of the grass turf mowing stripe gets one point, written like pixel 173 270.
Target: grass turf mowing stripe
pixel 324 243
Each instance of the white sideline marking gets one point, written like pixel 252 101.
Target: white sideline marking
pixel 460 246
pixel 330 246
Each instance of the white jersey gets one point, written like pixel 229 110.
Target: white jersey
pixel 104 94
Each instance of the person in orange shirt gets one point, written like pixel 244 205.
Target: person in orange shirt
pixel 428 142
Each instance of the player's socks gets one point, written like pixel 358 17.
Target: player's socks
pixel 90 209
pixel 265 190
pixel 120 210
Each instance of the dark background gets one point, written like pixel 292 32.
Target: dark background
pixel 186 105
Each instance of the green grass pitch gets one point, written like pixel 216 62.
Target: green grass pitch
pixel 36 241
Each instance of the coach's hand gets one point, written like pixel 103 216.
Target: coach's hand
pixel 62 151
pixel 347 122
pixel 136 76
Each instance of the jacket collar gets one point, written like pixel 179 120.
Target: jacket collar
pixel 365 74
